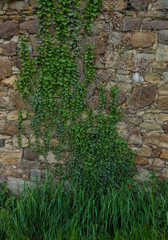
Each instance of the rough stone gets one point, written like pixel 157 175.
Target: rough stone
pixel 10 156
pixel 165 127
pixel 12 171
pixel 155 24
pixel 28 155
pixel 164 154
pixel 10 128
pixel 141 160
pixel 34 3
pixel 161 118
pixel 162 102
pixel 139 39
pixel 5 103
pixel 158 163
pixel 12 116
pixel 6 68
pixel 16 185
pixel 8 49
pixel 162 53
pixel 163 36
pixel 163 89
pixel 18 102
pixel 143 175
pixel 34 42
pixel 25 164
pixel 157 139
pixel 142 97
pixel 145 151
pixel 140 4
pixel 149 126
pixel 19 5
pixel 152 77
pixel 156 152
pixel 10 81
pixel 32 26
pixel 128 24
pixel 159 66
pixel 137 77
pixel 145 56
pixel 35 174
pixel 8 29
pixel 165 76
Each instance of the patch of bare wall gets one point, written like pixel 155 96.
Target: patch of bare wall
pixel 131 39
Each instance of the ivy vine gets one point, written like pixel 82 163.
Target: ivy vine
pixel 52 84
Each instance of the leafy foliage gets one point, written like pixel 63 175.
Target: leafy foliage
pixel 56 211
pixel 51 83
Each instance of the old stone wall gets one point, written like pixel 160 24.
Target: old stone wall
pixel 131 40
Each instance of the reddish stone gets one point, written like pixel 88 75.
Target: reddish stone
pixel 155 24
pixel 5 67
pixel 32 26
pixel 128 24
pixel 142 97
pixel 8 49
pixel 8 29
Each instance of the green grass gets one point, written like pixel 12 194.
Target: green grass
pixel 59 212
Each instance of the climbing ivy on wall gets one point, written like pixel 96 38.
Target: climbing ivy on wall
pixel 51 83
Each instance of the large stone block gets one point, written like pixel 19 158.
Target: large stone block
pixel 141 160
pixel 10 128
pixel 164 154
pixel 162 53
pixel 142 39
pixel 5 67
pixel 32 26
pixel 12 171
pixel 19 5
pixel 162 102
pixel 154 138
pixel 128 24
pixel 10 156
pixel 142 97
pixel 8 49
pixel 155 24
pixel 10 81
pixel 139 4
pixel 8 29
pixel 163 36
pixel 152 77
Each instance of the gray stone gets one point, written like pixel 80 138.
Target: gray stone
pixel 162 53
pixel 165 4
pixel 163 36
pixel 17 185
pixel 35 174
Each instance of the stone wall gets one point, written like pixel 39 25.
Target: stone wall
pixel 131 39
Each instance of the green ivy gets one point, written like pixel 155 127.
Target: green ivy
pixel 51 83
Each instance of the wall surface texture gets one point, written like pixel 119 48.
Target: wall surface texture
pixel 131 52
